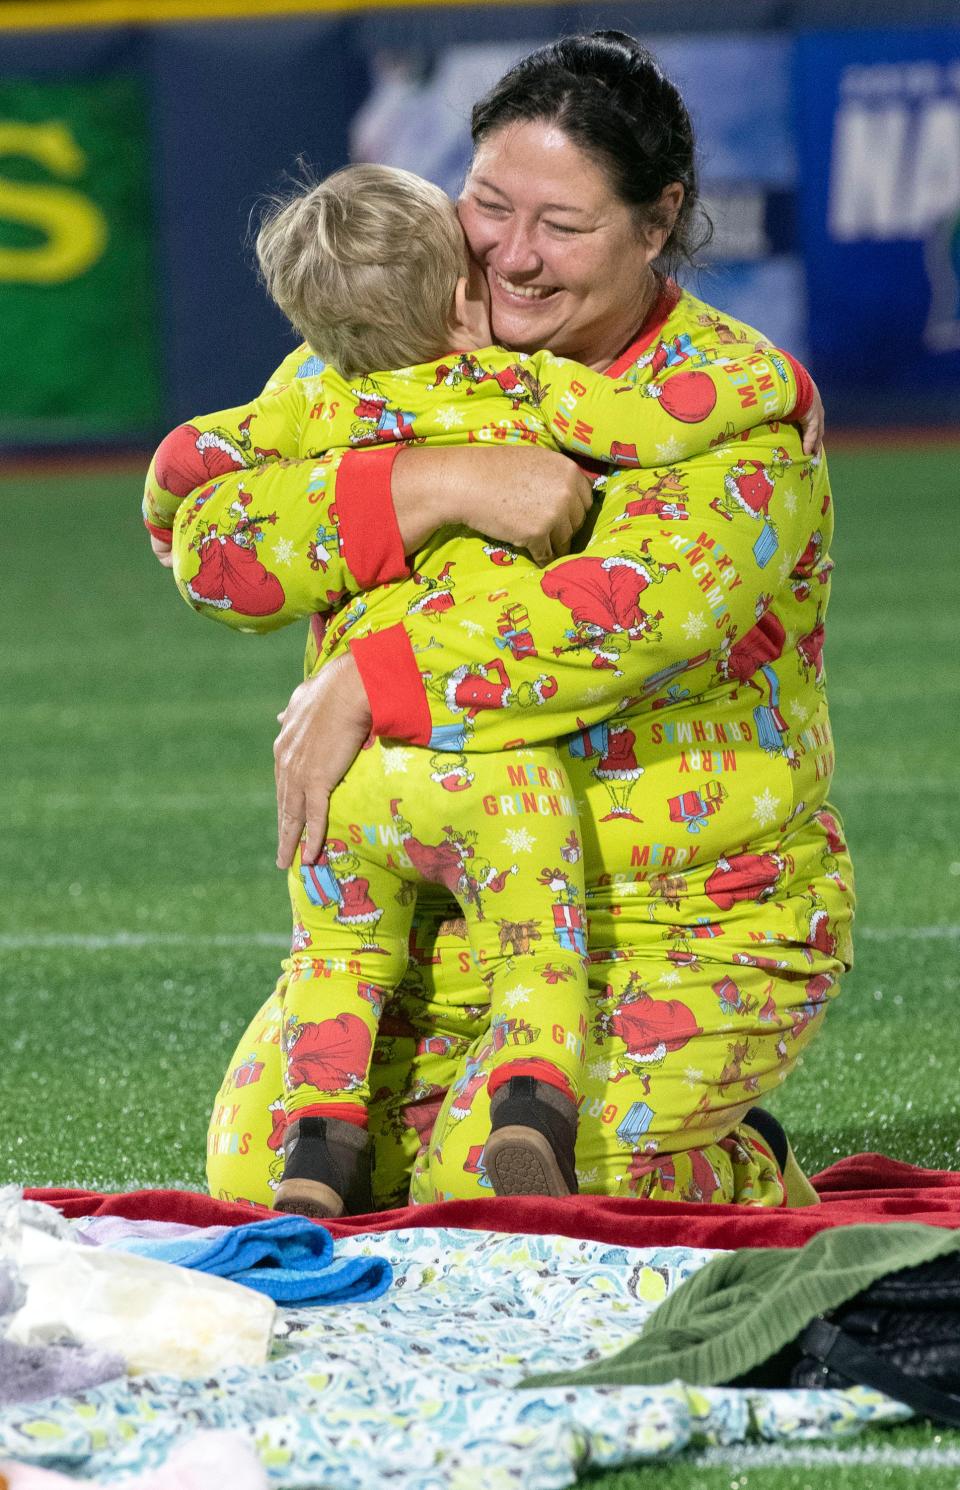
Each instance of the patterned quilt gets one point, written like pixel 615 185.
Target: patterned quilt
pixel 417 1389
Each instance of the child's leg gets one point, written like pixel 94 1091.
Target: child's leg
pixel 352 920
pixel 524 906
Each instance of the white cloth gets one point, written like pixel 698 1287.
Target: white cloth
pixel 158 1317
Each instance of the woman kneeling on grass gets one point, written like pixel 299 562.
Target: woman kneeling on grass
pixel 686 686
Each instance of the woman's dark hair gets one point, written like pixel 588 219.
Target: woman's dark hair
pixel 608 95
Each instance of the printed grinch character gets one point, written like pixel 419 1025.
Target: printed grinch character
pixel 810 651
pixel 474 686
pixel 602 596
pixel 376 420
pixel 747 876
pixel 819 935
pixel 188 459
pixel 331 1055
pixel 438 592
pixel 738 661
pixel 649 1028
pixel 466 1087
pixel 835 845
pixel 453 862
pixel 231 576
pixel 451 771
pixel 748 486
pixel 811 568
pixel 617 767
pixel 354 906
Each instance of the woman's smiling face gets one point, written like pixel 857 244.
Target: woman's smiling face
pixel 566 263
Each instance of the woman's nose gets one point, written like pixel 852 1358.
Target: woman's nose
pixel 517 250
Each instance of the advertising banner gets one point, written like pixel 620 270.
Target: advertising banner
pixel 878 131
pixel 78 353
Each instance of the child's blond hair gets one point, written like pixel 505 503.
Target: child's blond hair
pixel 365 266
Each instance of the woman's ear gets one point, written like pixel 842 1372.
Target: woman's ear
pixel 664 216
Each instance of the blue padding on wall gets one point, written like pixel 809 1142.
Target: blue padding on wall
pixel 215 164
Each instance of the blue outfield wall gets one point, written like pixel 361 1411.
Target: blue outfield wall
pixel 830 163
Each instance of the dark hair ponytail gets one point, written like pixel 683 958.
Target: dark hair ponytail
pixel 607 93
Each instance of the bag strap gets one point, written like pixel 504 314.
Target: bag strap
pixel 831 1346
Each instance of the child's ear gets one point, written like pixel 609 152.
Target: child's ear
pixel 460 296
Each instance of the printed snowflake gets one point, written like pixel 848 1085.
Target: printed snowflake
pixel 394 759
pixel 671 449
pixel 786 565
pixel 692 1076
pixel 790 500
pixel 514 996
pixel 694 625
pixel 765 808
pixel 283 551
pixel 518 841
pixel 799 711
pixel 586 1177
pixel 592 695
pixel 448 417
pixel 597 1070
pixel 671 977
pixel 472 627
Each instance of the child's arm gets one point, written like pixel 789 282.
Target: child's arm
pixel 680 414
pixel 237 478
pixel 214 446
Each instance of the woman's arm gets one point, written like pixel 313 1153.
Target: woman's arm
pixel 681 562
pixel 686 411
pixel 655 602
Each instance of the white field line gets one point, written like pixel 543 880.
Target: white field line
pixel 786 1456
pixel 104 941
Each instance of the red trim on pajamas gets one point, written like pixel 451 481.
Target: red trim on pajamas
pixel 804 387
pixel 344 1112
pixel 165 534
pixel 372 546
pixel 394 686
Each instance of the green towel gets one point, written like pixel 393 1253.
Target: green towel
pixel 745 1306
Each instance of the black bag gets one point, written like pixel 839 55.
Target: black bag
pixel 900 1335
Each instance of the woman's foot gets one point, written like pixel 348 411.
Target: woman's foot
pixel 799 1190
pixel 324 1168
pixel 533 1134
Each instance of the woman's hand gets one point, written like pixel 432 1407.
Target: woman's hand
pixel 323 729
pixel 518 494
pixel 811 425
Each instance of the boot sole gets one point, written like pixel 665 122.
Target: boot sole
pixel 520 1161
pixel 308 1198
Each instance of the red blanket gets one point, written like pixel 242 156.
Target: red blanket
pixel 867 1187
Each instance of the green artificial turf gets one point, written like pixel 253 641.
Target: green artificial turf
pixel 142 920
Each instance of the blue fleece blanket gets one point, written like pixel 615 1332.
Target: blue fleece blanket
pixel 286 1257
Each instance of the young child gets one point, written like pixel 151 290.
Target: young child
pixel 371 267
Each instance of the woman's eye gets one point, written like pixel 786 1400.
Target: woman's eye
pixel 490 206
pixel 561 227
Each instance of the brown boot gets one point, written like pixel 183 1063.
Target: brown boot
pixel 325 1169
pixel 533 1134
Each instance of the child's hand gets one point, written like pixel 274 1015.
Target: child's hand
pixel 163 551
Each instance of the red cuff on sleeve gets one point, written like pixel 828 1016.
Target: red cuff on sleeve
pixel 804 388
pixel 372 546
pixel 164 534
pixel 391 677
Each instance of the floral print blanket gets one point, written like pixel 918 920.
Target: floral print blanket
pixel 417 1390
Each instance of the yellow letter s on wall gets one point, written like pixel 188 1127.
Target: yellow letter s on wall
pixel 75 228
